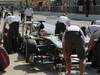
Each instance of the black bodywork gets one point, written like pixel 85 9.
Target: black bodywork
pixel 46 50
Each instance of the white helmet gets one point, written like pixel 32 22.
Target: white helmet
pixel 64 19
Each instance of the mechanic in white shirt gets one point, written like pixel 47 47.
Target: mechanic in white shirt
pixel 13 32
pixel 29 13
pixel 94 33
pixel 94 45
pixel 62 23
pixel 97 22
pixel 65 20
pixel 73 41
pixel 91 29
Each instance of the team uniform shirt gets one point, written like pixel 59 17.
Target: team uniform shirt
pixel 96 35
pixel 29 12
pixel 97 22
pixel 11 19
pixel 75 28
pixel 74 41
pixel 65 20
pixel 91 29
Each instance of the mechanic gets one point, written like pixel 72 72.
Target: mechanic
pixel 93 31
pixel 74 40
pixel 62 23
pixel 13 32
pixel 97 22
pixel 29 13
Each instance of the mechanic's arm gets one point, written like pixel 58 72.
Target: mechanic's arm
pixel 91 43
pixel 93 38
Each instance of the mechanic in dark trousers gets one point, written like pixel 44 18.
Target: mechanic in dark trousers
pixel 95 43
pixel 74 40
pixel 29 13
pixel 13 33
pixel 62 23
pixel 93 31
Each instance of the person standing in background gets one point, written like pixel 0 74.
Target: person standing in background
pixel 29 13
pixel 22 14
pixel 87 5
pixel 12 10
pixel 1 13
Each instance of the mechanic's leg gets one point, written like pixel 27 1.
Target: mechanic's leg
pixel 9 43
pixel 68 63
pixel 67 58
pixel 82 66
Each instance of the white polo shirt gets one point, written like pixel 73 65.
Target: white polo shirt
pixel 64 19
pixel 11 19
pixel 75 28
pixel 97 22
pixel 29 12
pixel 96 35
pixel 91 29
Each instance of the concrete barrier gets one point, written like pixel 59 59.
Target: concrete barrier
pixel 83 17
pixel 74 16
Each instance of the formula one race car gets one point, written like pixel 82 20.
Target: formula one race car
pixel 39 49
pixel 42 47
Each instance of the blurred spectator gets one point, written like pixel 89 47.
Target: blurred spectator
pixel 2 9
pixel 40 5
pixel 55 5
pixel 22 14
pixel 12 10
pixel 87 5
pixel 1 12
